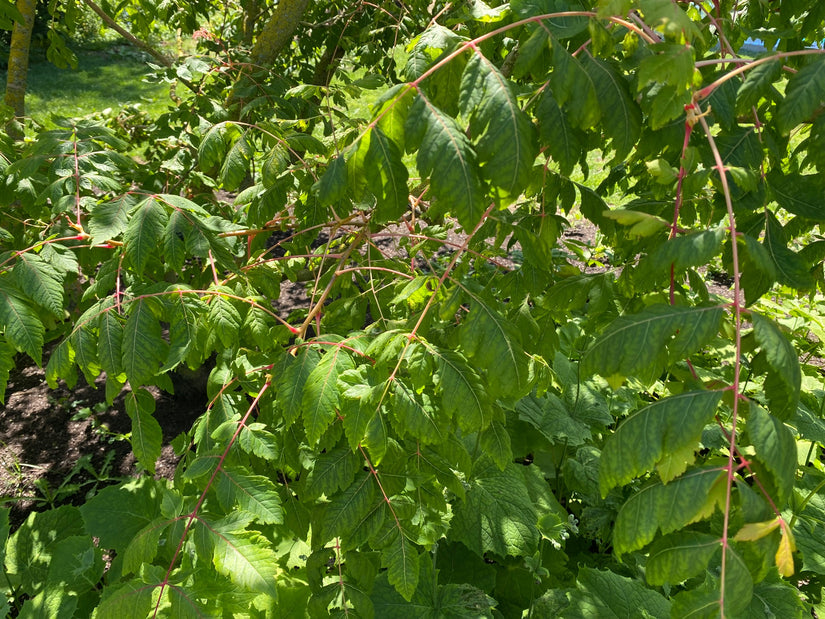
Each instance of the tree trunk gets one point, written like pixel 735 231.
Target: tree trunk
pixel 251 12
pixel 16 79
pixel 278 31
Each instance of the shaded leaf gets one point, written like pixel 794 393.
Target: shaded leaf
pixel 446 155
pixel 784 381
pixel 804 93
pixel 642 344
pixel 668 508
pixel 680 556
pixel 504 143
pixel 663 434
pixel 498 514
pixel 147 437
pixel 144 233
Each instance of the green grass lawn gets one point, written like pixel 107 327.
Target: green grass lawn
pixel 103 79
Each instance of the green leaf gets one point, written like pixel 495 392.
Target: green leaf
pixel 117 513
pixel 775 448
pixel 498 514
pixel 757 84
pixel 386 175
pixel 574 89
pixel 143 351
pixel 320 393
pixel 110 342
pixel 680 556
pixel 803 96
pixel 549 415
pixel 791 269
pixel 108 220
pixel 494 343
pixel 29 552
pixel 144 233
pixel 147 437
pixel 602 594
pixel 7 364
pixel 446 155
pixel 23 328
pixel 144 546
pixel 348 508
pixel 642 344
pixel 621 116
pixel 784 381
pixel 415 414
pixel 758 269
pixel 224 318
pixel 255 439
pixel 775 597
pixel 562 27
pixel 255 495
pixel 682 252
pixel 174 239
pixel 401 560
pixel 428 46
pixel 705 600
pixel 557 133
pixel 236 165
pixel 40 281
pixel 505 143
pixel 132 600
pixel 462 392
pixel 76 564
pixel 663 434
pixel 332 186
pixel 212 148
pixel 291 380
pixel 799 194
pixel 495 441
pixel 671 64
pixel 668 508
pixel 674 20
pixel 245 557
pixel 639 223
pixel 332 471
pixel 52 602
pixel 357 403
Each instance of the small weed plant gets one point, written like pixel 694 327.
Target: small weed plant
pixel 462 421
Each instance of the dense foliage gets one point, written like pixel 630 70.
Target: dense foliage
pixel 474 416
